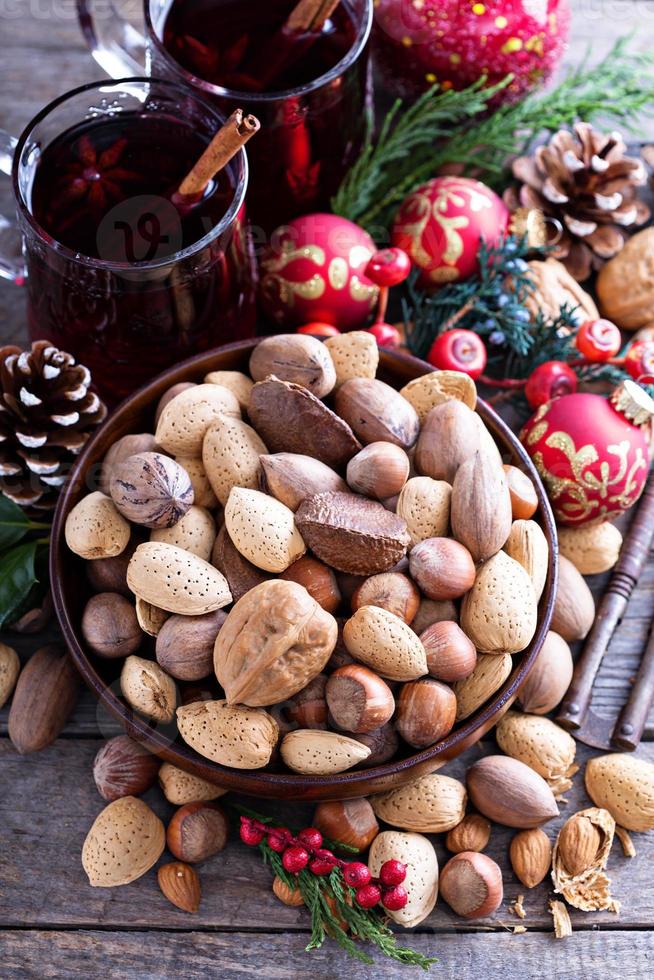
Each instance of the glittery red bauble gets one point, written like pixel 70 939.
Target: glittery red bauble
pixel 455 42
pixel 591 458
pixel 440 226
pixel 314 271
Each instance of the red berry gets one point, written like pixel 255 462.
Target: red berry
pixel 319 330
pixel 639 359
pixel 368 896
pixel 395 898
pixel 385 334
pixel 459 350
pixel 356 874
pixel 279 838
pixel 250 834
pixel 323 862
pixel 392 873
pixel 598 340
pixel 295 859
pixel 311 838
pixel 388 267
pixel 550 380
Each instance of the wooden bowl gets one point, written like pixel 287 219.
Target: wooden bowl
pixel 71 592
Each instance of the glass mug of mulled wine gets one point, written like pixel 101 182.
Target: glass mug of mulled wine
pixel 301 66
pixel 117 273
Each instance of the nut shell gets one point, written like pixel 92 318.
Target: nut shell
pixel 509 792
pixel 148 689
pixel 151 489
pixel 294 357
pixel 451 656
pixel 44 697
pixel 94 528
pixel 180 787
pixel 349 822
pixel 137 442
pixel 263 530
pixel 442 568
pixel 527 545
pixel 524 500
pixel 237 382
pixel 185 645
pixel 122 767
pixel 549 678
pixel 291 478
pixel 500 612
pixel 273 642
pixel 109 625
pixel 480 511
pixel 230 455
pixel 380 470
pixel 624 785
pixel 318 579
pixel 194 532
pixel 542 745
pixel 230 734
pixel 358 699
pixel 197 831
pixel 471 884
pixel 392 591
pixel 125 841
pixel 434 389
pixel 203 495
pixel 449 436
pixel 385 643
pixel 432 804
pixel 425 506
pixel 317 753
pixel 377 413
pixel 472 834
pixel 354 354
pixel 487 677
pixel 426 711
pixel 240 573
pixel 9 671
pixel 592 548
pixel 184 421
pixel 175 580
pixel 574 608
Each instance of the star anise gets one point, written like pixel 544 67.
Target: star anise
pixel 95 178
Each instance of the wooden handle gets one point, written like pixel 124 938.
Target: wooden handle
pixel 629 728
pixel 611 610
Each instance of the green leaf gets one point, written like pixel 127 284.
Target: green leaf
pixel 17 576
pixel 14 523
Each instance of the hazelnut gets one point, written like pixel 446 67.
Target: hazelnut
pixel 138 442
pixel 426 712
pixel 442 568
pixel 472 834
pixel 389 590
pixel 471 884
pixel 168 396
pixel 380 470
pixel 185 645
pixel 151 489
pixel 122 767
pixel 110 626
pixel 318 579
pixel 308 708
pixel 383 744
pixel 524 501
pixel 358 699
pixel 110 574
pixel 451 655
pixel 349 822
pixel 197 831
pixel 286 895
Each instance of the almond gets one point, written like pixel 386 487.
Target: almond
pixel 531 856
pixel 449 436
pixel 528 546
pixel 298 358
pixel 487 677
pixel 578 844
pixel 9 671
pixel 195 532
pixel 542 745
pixel 125 841
pixel 230 454
pixel 263 530
pixel 377 413
pixel 94 528
pixel 437 387
pixel 500 612
pixel 44 698
pixel 352 534
pixel 624 785
pixel 168 396
pixel 549 678
pixel 383 642
pixel 592 548
pixel 180 787
pixel 421 882
pixel 230 734
pixel 185 420
pixel 579 861
pixel 425 506
pixel 431 804
pixel 148 689
pixel 318 753
pixel 574 609
pixel 203 495
pixel 354 354
pixel 472 834
pixel 290 419
pixel 180 884
pixel 176 580
pixel 237 382
pixel 291 478
pixel 509 792
pixel 122 767
pixel 480 511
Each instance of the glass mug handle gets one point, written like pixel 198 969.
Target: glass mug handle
pixel 118 47
pixel 12 265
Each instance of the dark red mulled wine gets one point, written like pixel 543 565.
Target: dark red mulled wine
pixel 131 301
pixel 243 44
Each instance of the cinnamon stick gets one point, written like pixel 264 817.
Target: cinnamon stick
pixel 310 15
pixel 235 133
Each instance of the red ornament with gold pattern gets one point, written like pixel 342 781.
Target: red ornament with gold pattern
pixel 314 271
pixel 455 42
pixel 441 224
pixel 592 453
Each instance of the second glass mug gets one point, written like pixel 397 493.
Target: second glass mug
pixel 310 135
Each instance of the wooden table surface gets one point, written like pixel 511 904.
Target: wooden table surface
pixel 52 924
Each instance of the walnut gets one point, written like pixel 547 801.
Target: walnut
pixel 554 288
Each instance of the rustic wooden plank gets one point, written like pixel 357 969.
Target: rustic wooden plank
pixel 52 802
pixel 152 956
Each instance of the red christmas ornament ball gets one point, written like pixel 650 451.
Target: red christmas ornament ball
pixel 319 330
pixel 385 334
pixel 639 359
pixel 440 225
pixel 591 457
pixel 314 271
pixel 598 340
pixel 459 350
pixel 420 42
pixel 550 380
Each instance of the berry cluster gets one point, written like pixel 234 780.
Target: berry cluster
pixel 306 851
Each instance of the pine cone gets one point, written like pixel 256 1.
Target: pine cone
pixel 47 412
pixel 584 180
